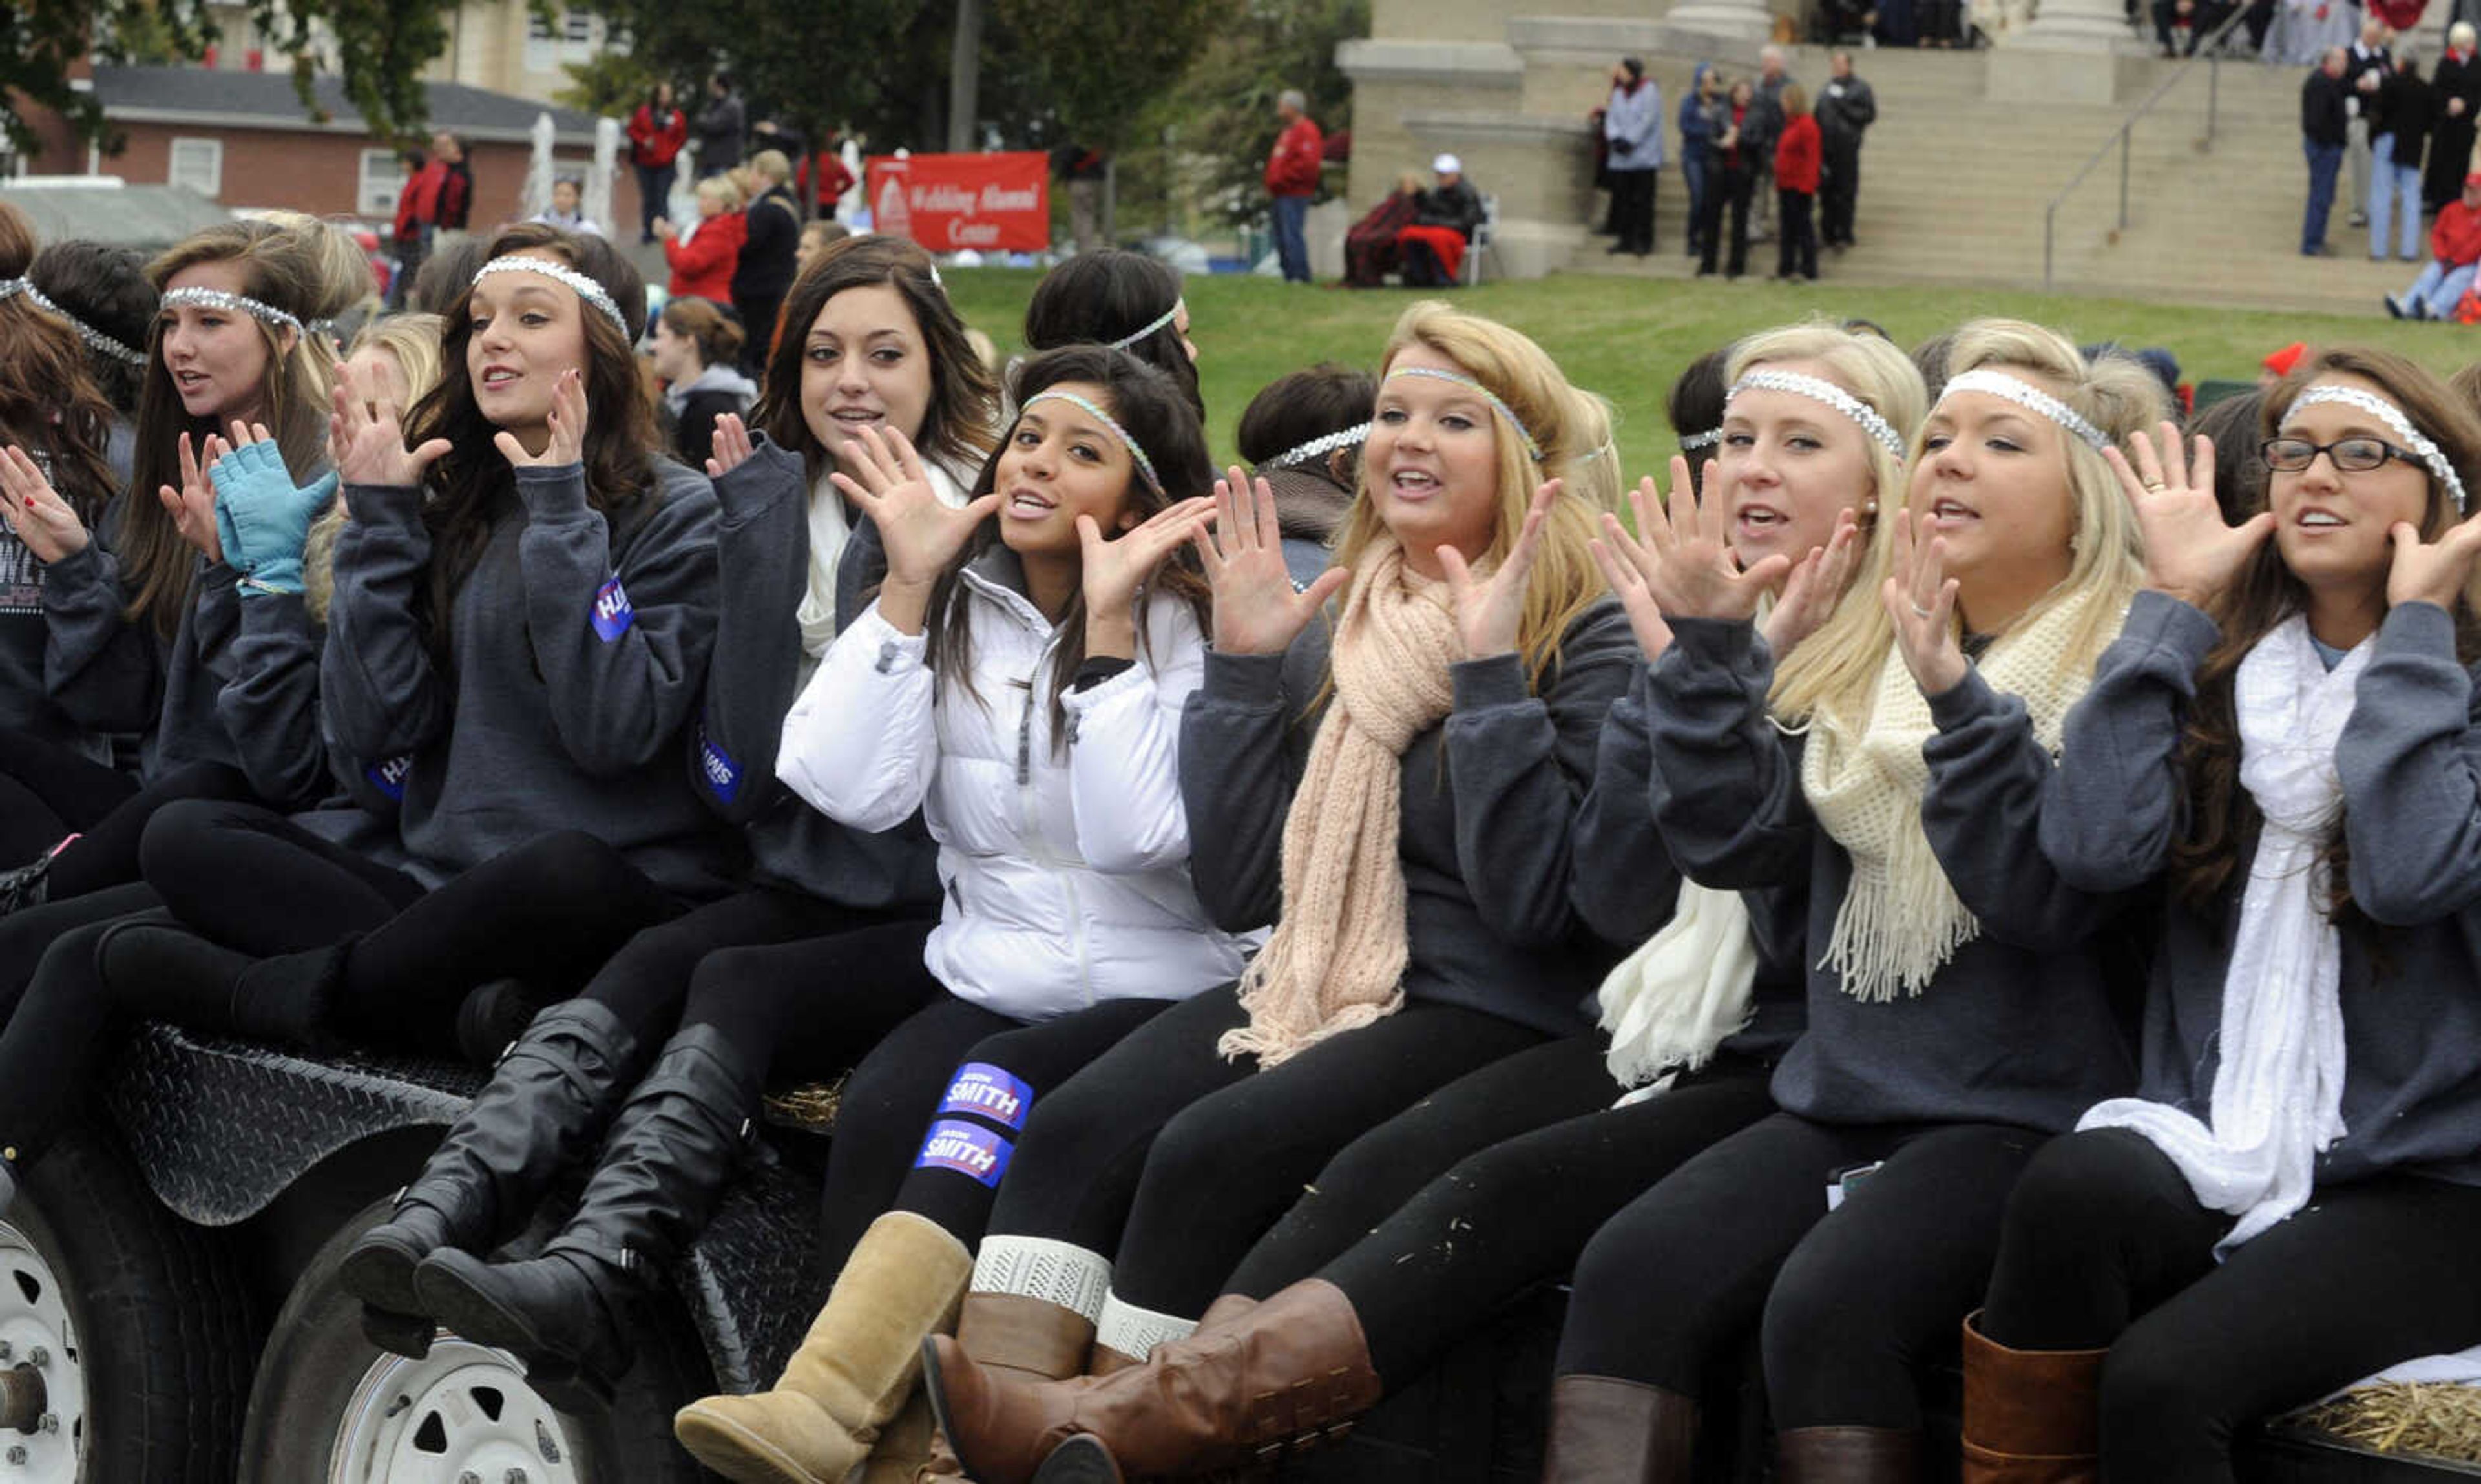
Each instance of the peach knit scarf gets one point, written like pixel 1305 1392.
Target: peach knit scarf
pixel 1337 957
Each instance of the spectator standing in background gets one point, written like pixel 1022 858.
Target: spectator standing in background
pixel 1081 169
pixel 2322 120
pixel 721 126
pixel 1633 127
pixel 2454 247
pixel 2364 70
pixel 2397 137
pixel 703 258
pixel 1797 164
pixel 1291 179
pixel 1728 185
pixel 1758 135
pixel 2455 89
pixel 1701 124
pixel 835 177
pixel 770 242
pixel 657 131
pixel 438 196
pixel 1845 110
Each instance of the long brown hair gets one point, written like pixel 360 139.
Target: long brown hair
pixel 47 403
pixel 279 266
pixel 2222 819
pixel 471 486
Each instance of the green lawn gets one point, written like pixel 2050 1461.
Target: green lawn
pixel 1626 338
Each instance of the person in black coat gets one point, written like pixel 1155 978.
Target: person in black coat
pixel 764 274
pixel 2398 132
pixel 2455 93
pixel 2322 122
pixel 1845 110
pixel 720 127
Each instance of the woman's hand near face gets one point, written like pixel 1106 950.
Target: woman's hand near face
pixel 1921 598
pixel 1257 609
pixel 2189 552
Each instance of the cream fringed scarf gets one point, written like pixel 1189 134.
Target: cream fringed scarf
pixel 829 530
pixel 1335 962
pixel 1900 919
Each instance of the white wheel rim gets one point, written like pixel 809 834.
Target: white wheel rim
pixel 464 1415
pixel 35 1330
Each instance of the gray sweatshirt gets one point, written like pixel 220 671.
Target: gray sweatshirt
pixel 764 546
pixel 2412 820
pixel 1490 809
pixel 2018 1027
pixel 576 658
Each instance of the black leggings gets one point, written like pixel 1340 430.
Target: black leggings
pixel 49 791
pixel 2104 1245
pixel 1175 1161
pixel 1851 1305
pixel 254 880
pixel 105 850
pixel 1428 1244
pixel 948 1070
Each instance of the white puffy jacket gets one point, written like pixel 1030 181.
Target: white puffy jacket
pixel 1066 876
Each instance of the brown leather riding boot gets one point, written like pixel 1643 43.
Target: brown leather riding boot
pixel 1293 1369
pixel 2031 1416
pixel 1846 1455
pixel 1605 1430
pixel 1030 1339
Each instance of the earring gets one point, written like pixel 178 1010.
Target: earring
pixel 1869 510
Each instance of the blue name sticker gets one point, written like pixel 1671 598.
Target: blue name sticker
pixel 975 1153
pixel 722 773
pixel 988 1092
pixel 612 615
pixel 389 777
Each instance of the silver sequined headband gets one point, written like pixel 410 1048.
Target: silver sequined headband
pixel 584 288
pixel 1158 322
pixel 2393 416
pixel 1693 441
pixel 94 338
pixel 2032 398
pixel 1435 373
pixel 1819 389
pixel 233 304
pixel 1146 465
pixel 1319 448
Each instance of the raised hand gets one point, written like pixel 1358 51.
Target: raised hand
pixel 47 524
pixel 882 474
pixel 732 447
pixel 193 505
pixel 2432 571
pixel 1816 585
pixel 1257 610
pixel 2189 552
pixel 1921 598
pixel 366 440
pixel 1625 565
pixel 1697 575
pixel 1115 567
pixel 1489 611
pixel 568 422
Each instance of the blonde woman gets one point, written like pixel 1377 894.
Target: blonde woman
pixel 703 257
pixel 397 359
pixel 1957 1013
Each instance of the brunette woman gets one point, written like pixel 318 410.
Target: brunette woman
pixel 695 350
pixel 1126 300
pixel 2281 741
pixel 1302 433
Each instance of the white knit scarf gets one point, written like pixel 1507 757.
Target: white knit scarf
pixel 1900 919
pixel 2278 1095
pixel 829 530
pixel 1673 1002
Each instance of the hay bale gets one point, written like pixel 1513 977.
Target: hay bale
pixel 811 1106
pixel 2431 1420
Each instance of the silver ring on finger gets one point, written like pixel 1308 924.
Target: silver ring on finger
pixel 1922 611
pixel 2155 487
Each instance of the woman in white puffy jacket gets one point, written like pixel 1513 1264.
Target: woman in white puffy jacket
pixel 1020 680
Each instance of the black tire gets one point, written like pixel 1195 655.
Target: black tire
pixel 160 1333
pixel 323 1389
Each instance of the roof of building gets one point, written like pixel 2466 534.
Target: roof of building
pixel 147 217
pixel 265 100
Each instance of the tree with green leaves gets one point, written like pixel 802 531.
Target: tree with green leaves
pixel 1101 66
pixel 1224 108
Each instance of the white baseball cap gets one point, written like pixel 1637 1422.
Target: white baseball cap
pixel 1448 165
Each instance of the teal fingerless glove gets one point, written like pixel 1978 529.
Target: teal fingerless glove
pixel 263 519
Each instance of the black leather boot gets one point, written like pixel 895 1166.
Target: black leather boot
pixel 553 1095
pixel 289 999
pixel 672 1148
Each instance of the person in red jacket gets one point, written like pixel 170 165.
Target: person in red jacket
pixel 703 260
pixel 1798 153
pixel 438 196
pixel 2454 252
pixel 1291 179
pixel 657 131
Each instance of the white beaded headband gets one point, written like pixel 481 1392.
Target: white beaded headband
pixel 1156 324
pixel 2032 398
pixel 1819 389
pixel 1320 447
pixel 1693 441
pixel 2393 416
pixel 1146 465
pixel 1459 378
pixel 94 338
pixel 584 288
pixel 233 304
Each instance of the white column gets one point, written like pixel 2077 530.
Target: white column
pixel 1745 19
pixel 2076 25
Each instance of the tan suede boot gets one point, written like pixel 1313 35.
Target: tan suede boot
pixel 903 1447
pixel 853 1371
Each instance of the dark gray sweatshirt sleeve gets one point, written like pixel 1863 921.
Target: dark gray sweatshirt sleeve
pixel 270 701
pixel 1624 885
pixel 382 694
pixel 106 672
pixel 1982 812
pixel 2116 800
pixel 1726 788
pixel 2411 764
pixel 1519 766
pixel 623 654
pixel 1236 787
pixel 762 552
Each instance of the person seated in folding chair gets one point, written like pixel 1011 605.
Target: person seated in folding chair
pixel 1431 253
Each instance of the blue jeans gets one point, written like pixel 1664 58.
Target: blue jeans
pixel 2438 287
pixel 2324 160
pixel 1692 173
pixel 1292 246
pixel 2388 184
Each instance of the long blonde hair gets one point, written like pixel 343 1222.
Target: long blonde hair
pixel 1833 677
pixel 414 340
pixel 1594 473
pixel 1519 374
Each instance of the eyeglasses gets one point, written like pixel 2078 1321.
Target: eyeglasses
pixel 2353 456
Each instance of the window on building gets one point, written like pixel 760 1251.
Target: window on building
pixel 555 40
pixel 381 181
pixel 199 164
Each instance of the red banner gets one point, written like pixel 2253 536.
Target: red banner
pixel 951 203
